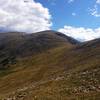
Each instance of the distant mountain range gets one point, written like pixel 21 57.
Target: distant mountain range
pixel 48 65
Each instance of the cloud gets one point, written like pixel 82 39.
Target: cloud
pixel 81 33
pixel 95 10
pixel 24 15
pixel 70 1
pixel 98 1
pixel 73 14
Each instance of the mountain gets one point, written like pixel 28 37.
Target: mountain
pixel 48 65
pixel 14 44
pixel 23 44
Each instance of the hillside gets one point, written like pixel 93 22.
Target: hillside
pixel 49 66
pixel 13 45
pixel 22 44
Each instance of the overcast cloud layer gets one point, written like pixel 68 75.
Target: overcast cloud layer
pixel 23 16
pixel 81 33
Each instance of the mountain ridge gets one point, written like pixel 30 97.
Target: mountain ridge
pixel 17 40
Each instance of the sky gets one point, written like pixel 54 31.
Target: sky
pixel 77 13
pixel 79 19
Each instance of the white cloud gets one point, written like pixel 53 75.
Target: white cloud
pixel 98 1
pixel 94 11
pixel 81 33
pixel 24 15
pixel 70 1
pixel 73 14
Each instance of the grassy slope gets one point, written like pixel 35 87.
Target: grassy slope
pixel 13 45
pixel 56 74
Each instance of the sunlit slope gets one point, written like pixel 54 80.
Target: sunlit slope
pixel 58 73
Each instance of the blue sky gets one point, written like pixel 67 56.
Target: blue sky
pixel 75 13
